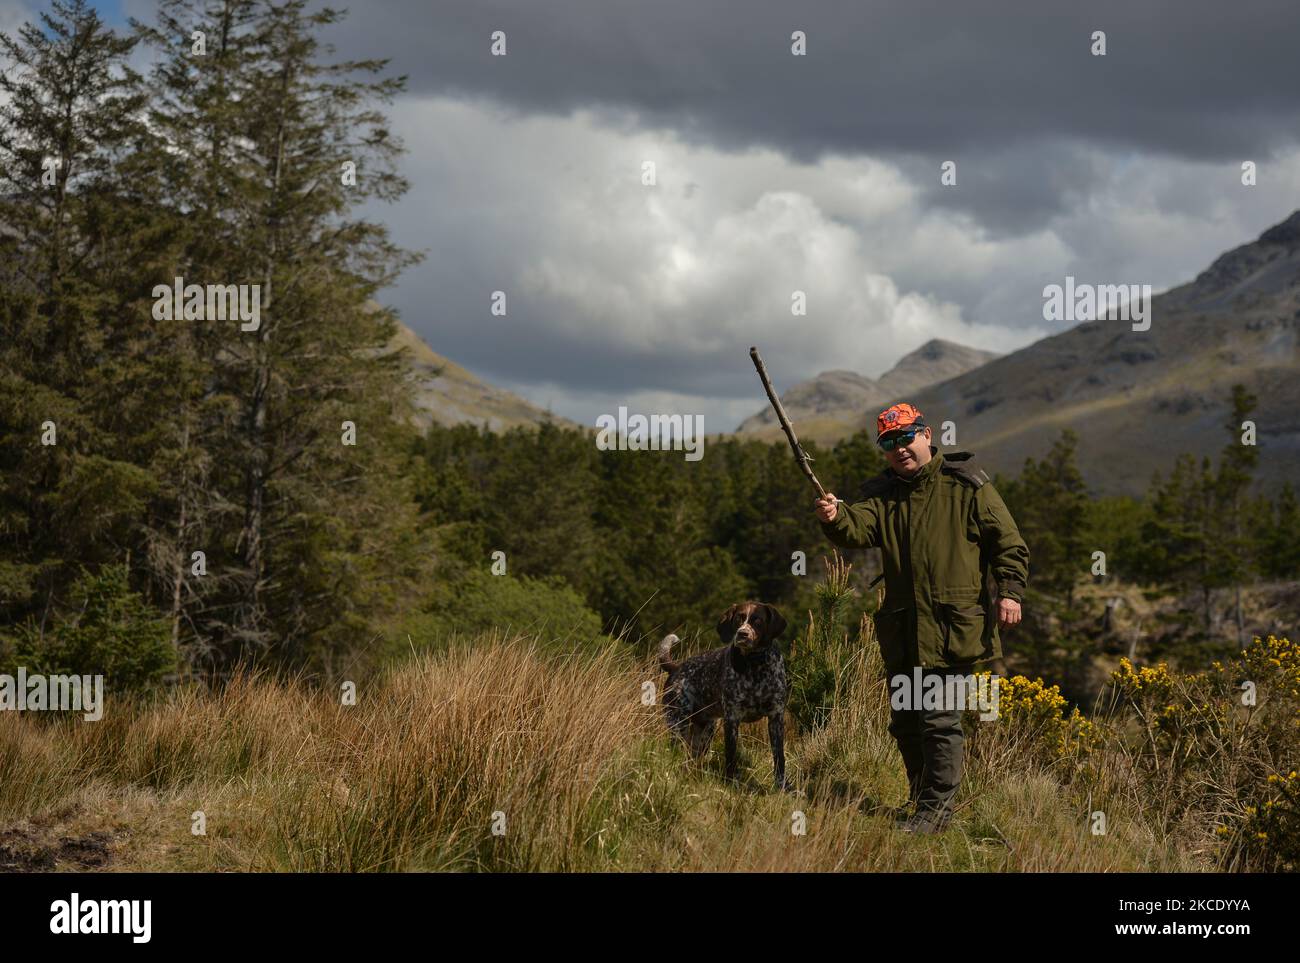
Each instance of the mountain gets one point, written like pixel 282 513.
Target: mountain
pixel 835 403
pixel 1139 398
pixel 1136 399
pixel 448 394
pixel 830 394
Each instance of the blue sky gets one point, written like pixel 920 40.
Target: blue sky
pixel 110 11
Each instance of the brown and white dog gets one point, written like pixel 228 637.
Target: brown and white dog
pixel 741 682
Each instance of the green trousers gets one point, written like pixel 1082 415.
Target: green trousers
pixel 932 744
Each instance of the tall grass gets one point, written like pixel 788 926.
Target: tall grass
pixel 494 755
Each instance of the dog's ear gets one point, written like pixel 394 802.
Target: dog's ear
pixel 775 621
pixel 728 623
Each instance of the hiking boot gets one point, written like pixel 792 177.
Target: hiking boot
pixel 926 823
pixel 901 814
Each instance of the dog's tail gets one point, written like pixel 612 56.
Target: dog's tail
pixel 666 664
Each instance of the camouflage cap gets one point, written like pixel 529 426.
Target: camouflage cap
pixel 897 417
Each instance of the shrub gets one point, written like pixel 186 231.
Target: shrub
pixel 109 630
pixel 818 667
pixel 1032 724
pixel 478 601
pixel 1221 748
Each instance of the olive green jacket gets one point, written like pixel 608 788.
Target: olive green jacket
pixel 950 549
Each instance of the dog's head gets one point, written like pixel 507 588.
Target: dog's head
pixel 750 625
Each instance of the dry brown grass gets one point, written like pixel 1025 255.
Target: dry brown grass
pixel 557 752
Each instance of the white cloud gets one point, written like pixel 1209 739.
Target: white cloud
pixel 625 288
pixel 621 292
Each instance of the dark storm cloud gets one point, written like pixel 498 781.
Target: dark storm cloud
pixel 986 84
pixel 1198 78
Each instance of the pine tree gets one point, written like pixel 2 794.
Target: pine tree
pixel 1181 533
pixel 542 493
pixel 1237 464
pixel 1050 504
pixel 70 116
pixel 324 538
pixel 1277 535
pixel 660 567
pixel 179 435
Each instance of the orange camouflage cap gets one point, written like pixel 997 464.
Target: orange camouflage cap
pixel 897 417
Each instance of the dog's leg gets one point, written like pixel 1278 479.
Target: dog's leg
pixel 701 735
pixel 776 735
pixel 731 730
pixel 678 724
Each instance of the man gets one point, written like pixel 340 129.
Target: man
pixel 952 555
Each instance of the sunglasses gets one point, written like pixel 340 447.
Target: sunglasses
pixel 905 438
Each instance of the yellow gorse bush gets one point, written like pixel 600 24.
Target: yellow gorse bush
pixel 1220 732
pixel 1272 664
pixel 1271 832
pixel 1176 705
pixel 1034 712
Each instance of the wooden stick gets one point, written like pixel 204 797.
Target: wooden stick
pixel 800 455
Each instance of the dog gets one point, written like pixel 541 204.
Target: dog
pixel 741 682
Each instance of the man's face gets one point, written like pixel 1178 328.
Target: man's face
pixel 906 459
